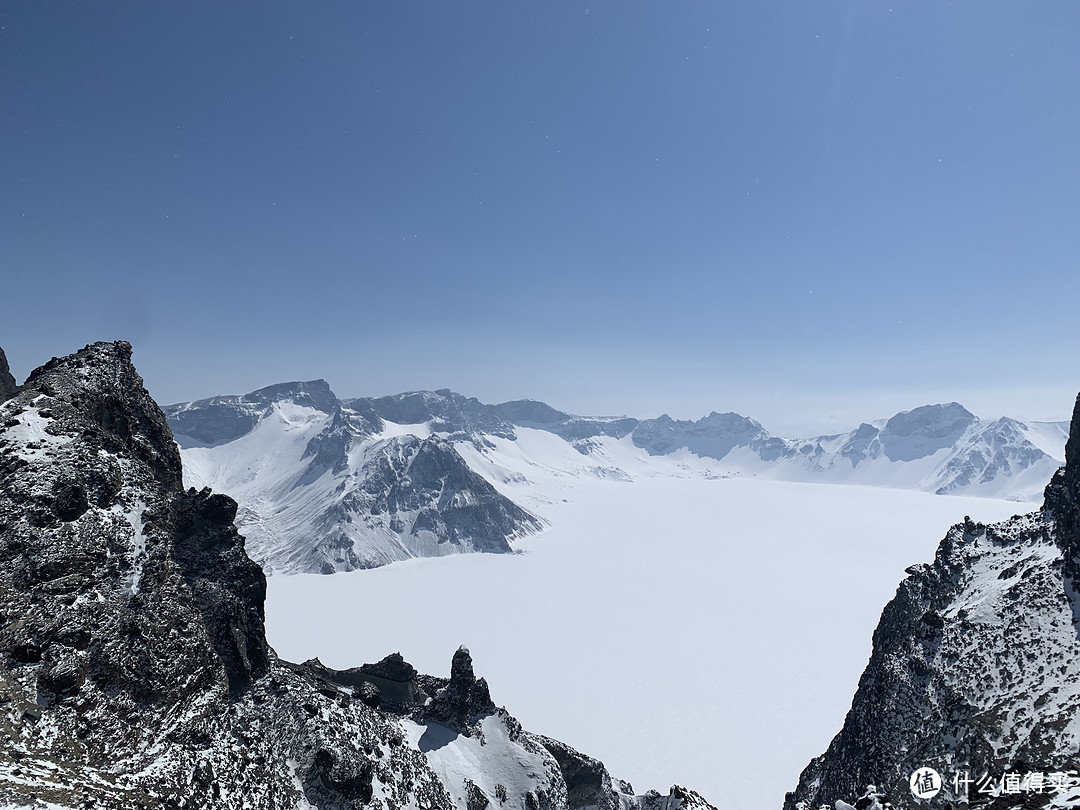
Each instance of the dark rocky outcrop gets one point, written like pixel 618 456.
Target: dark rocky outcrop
pixel 464 700
pixel 976 661
pixel 228 587
pixel 134 668
pixel 8 387
pixel 588 784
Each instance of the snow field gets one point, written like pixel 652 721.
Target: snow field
pixel 709 633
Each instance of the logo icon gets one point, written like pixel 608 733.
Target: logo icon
pixel 925 783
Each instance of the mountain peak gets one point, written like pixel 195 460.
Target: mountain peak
pixel 923 431
pixel 316 393
pixel 98 391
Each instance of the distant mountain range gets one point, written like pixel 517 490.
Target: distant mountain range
pixel 326 484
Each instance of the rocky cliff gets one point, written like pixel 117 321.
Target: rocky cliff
pixel 975 670
pixel 7 382
pixel 134 670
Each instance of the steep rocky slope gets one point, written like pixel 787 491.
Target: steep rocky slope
pixel 975 670
pixel 7 382
pixel 134 670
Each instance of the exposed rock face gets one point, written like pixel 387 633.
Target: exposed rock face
pixel 8 387
pixel 923 431
pixel 588 784
pixel 446 412
pixel 134 671
pixel 976 662
pixel 714 436
pixel 228 587
pixel 532 414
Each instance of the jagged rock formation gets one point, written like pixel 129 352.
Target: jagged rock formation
pixel 465 700
pixel 976 663
pixel 134 670
pixel 8 387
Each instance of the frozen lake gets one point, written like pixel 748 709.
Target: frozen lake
pixel 708 633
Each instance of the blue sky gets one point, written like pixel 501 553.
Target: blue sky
pixel 812 213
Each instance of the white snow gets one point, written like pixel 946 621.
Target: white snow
pixel 1049 437
pixel 30 433
pixel 703 632
pixel 134 517
pixel 497 760
pixel 260 470
pixel 392 429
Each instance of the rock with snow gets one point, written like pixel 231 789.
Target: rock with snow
pixel 976 663
pixel 937 448
pixel 465 699
pixel 443 410
pixel 714 436
pixel 221 419
pixel 923 431
pixel 134 669
pixel 530 413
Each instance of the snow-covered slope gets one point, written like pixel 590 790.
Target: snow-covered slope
pixel 323 487
pixel 326 485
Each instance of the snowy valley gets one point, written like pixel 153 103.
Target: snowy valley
pixel 333 485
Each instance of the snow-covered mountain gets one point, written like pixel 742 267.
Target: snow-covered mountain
pixel 936 448
pixel 134 666
pixel 326 486
pixel 975 672
pixel 329 485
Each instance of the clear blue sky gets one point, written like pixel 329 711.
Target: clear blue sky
pixel 813 213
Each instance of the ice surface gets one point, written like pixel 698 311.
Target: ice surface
pixel 709 633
